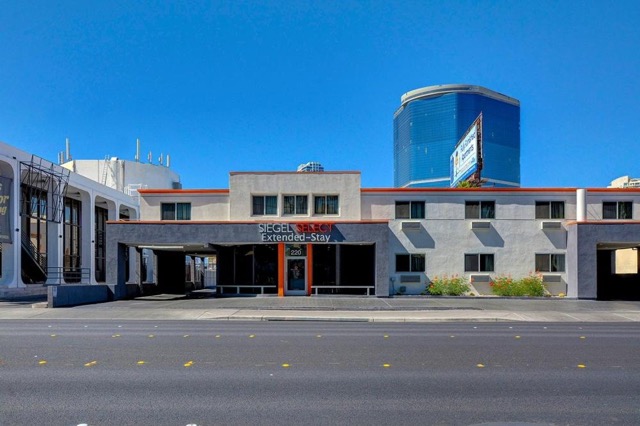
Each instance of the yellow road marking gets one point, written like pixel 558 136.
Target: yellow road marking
pixel 91 363
pixel 480 365
pixel 517 337
pixel 42 362
pixel 151 336
pixel 217 336
pixel 115 335
pixel 386 336
pixel 386 365
pixel 582 366
pixel 285 365
pixel 251 336
pixel 186 335
pixel 53 335
pixel 188 364
pixel 582 337
pixel 141 362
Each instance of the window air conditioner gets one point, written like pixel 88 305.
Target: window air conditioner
pixel 410 226
pixel 550 225
pixel 478 224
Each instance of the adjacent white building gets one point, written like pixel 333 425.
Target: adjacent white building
pixel 53 217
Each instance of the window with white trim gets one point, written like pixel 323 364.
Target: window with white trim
pixel 479 209
pixel 325 204
pixel 410 263
pixel 617 210
pixel 549 209
pixel 175 211
pixel 264 205
pixel 478 262
pixel 295 204
pixel 549 262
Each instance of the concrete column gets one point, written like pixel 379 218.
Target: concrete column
pixel 55 244
pixel 581 205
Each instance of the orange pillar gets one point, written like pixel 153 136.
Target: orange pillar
pixel 309 269
pixel 281 269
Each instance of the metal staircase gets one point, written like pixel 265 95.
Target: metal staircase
pixel 34 263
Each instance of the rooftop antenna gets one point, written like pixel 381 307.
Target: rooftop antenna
pixel 168 160
pixel 150 158
pixel 160 159
pixel 68 150
pixel 137 150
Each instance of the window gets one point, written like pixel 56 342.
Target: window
pixel 480 210
pixel 478 262
pixel 617 210
pixel 550 262
pixel 295 204
pixel 72 240
pixel 101 216
pixel 176 211
pixel 549 209
pixel 409 209
pixel 410 263
pixel 325 204
pixel 265 205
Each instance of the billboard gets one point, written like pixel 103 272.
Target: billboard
pixel 466 157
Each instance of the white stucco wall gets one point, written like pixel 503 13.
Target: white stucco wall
pixel 88 191
pixel 242 186
pixel 121 173
pixel 206 205
pixel 445 236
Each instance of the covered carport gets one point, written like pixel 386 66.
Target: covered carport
pixel 603 260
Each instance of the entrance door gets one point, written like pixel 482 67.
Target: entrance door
pixel 296 283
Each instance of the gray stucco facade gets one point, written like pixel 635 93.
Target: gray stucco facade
pixel 584 242
pixel 201 236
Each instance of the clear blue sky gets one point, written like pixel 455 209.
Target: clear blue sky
pixel 248 85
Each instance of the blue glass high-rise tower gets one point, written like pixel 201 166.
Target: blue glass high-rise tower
pixel 431 120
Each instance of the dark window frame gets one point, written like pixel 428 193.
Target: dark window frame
pixel 72 239
pixel 551 261
pixel 415 210
pixel 266 207
pixel 411 262
pixel 482 213
pixel 324 204
pixel 550 210
pixel 481 262
pixel 295 204
pixel 620 209
pixel 175 211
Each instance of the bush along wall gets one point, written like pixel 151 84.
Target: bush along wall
pixel 531 286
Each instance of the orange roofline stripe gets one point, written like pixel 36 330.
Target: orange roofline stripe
pixel 242 222
pixel 183 191
pixel 405 190
pixel 334 172
pixel 409 190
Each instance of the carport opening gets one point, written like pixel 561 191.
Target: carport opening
pixel 618 273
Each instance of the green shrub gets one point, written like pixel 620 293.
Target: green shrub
pixel 527 286
pixel 448 286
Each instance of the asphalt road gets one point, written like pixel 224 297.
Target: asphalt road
pixel 279 373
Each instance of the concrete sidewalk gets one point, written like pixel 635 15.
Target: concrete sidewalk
pixel 330 308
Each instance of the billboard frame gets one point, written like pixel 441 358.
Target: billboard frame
pixel 474 171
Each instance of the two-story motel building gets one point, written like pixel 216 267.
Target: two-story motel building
pixel 308 233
